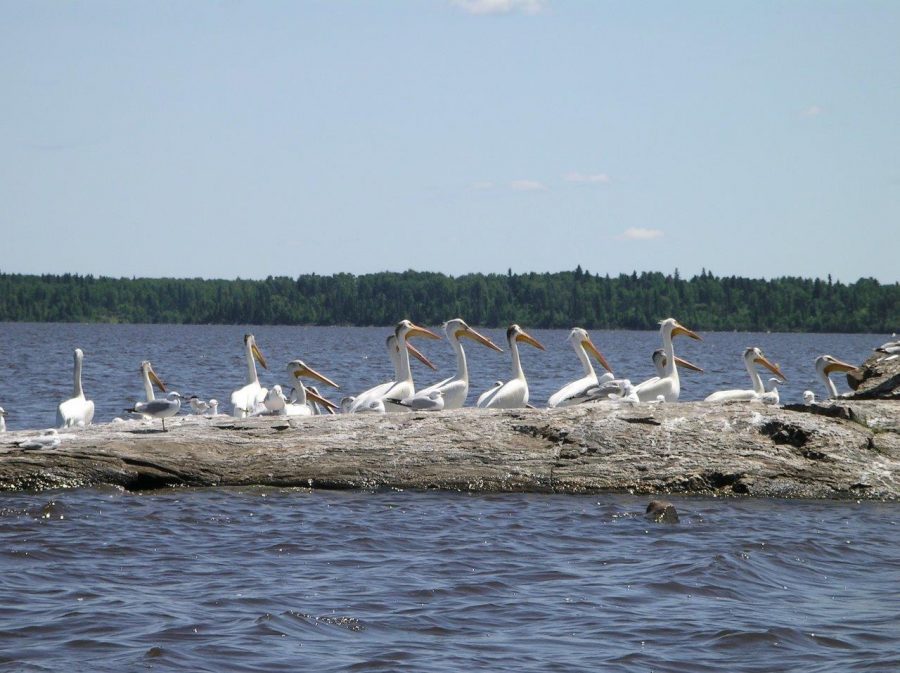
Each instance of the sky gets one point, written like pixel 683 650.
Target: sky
pixel 246 139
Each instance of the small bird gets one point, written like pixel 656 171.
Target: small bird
pixel 809 397
pixel 770 396
pixel 199 406
pixel 213 407
pixel 161 409
pixel 2 419
pixel 889 348
pixel 434 401
pixel 48 439
pixel 275 401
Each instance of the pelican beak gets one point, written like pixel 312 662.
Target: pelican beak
pixel 259 356
pixel 480 338
pixel 527 338
pixel 592 349
pixel 681 329
pixel 418 355
pixel 838 366
pixel 313 374
pixel 422 332
pixel 774 368
pixel 155 379
pixel 328 404
pixel 687 365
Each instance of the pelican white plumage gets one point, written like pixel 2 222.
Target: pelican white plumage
pixel 77 411
pixel 303 398
pixel 752 356
pixel 402 386
pixel 161 409
pixel 668 384
pixel 48 439
pixel 454 389
pixel 149 379
pixel 576 391
pixel 360 402
pixel 248 400
pixel 2 419
pixel 889 348
pixel 513 394
pixel 825 365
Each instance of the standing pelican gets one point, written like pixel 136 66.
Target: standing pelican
pixel 752 356
pixel 302 399
pixel 402 386
pixel 249 399
pixel 514 393
pixel 576 391
pixel 149 378
pixel 668 384
pixel 75 411
pixel 454 389
pixel 825 364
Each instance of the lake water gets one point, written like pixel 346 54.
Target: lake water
pixel 208 361
pixel 290 579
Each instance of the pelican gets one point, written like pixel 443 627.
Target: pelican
pixel 574 392
pixel 48 439
pixel 2 419
pixel 622 390
pixel 75 411
pixel 302 399
pixel 149 378
pixel 889 348
pixel 455 389
pixel 770 396
pixel 433 401
pixel 514 393
pixel 161 409
pixel 666 385
pixel 318 409
pixel 402 386
pixel 249 399
pixel 752 356
pixel 825 364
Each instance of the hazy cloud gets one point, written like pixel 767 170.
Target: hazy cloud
pixel 527 186
pixel 481 185
pixel 640 234
pixel 500 6
pixel 581 178
pixel 812 111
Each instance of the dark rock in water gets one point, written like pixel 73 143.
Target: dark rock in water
pixel 877 378
pixel 661 511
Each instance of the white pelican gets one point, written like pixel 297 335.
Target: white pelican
pixel 622 390
pixel 149 378
pixel 575 392
pixel 455 389
pixel 514 393
pixel 75 411
pixel 402 386
pixel 2 419
pixel 825 364
pixel 666 385
pixel 249 399
pixel 161 409
pixel 889 348
pixel 752 356
pixel 433 401
pixel 318 409
pixel 771 396
pixel 302 398
pixel 48 439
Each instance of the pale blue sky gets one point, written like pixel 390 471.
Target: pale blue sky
pixel 226 139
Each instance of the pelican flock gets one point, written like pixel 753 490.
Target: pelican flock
pixel 399 394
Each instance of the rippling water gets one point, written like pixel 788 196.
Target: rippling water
pixel 208 361
pixel 289 580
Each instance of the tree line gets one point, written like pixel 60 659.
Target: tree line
pixel 564 299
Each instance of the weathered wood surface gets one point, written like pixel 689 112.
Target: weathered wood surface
pixel 847 450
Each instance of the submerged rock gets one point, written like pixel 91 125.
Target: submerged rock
pixel 661 511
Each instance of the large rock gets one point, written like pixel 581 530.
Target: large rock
pixel 846 450
pixel 877 378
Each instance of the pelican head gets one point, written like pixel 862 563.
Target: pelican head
pixel 250 341
pixel 826 364
pixel 393 349
pixel 674 328
pixel 459 329
pixel 147 368
pixel 659 361
pixel 298 368
pixel 516 333
pixel 406 329
pixel 754 355
pixel 579 336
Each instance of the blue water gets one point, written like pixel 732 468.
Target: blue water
pixel 292 580
pixel 208 361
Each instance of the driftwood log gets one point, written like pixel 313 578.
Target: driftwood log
pixel 848 449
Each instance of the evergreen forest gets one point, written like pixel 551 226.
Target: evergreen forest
pixel 564 299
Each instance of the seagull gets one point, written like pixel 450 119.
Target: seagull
pixel 213 407
pixel 809 397
pixel 48 439
pixel 770 396
pixel 199 406
pixel 161 409
pixel 433 401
